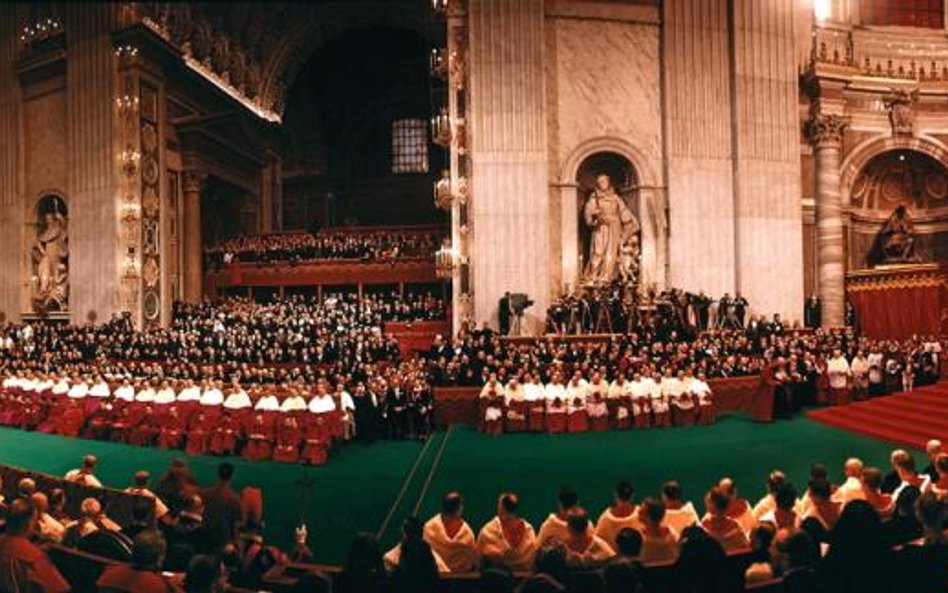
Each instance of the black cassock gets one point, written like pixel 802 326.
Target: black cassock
pixel 366 418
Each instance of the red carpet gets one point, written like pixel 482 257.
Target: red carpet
pixel 906 418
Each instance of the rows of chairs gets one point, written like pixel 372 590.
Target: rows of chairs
pixel 288 437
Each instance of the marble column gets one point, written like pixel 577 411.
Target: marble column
pixel 193 249
pixel 825 131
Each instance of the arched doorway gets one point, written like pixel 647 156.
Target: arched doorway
pixel 624 179
pixel 49 256
pixel 889 180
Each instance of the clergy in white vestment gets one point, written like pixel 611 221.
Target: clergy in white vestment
pixel 621 514
pixel 507 539
pixel 212 395
pixel 322 402
pixel 584 549
pixel 100 388
pixel 78 390
pixel 61 387
pixel 146 393
pixel 237 399
pixel 190 393
pixel 852 488
pixel 268 403
pixel 294 402
pixel 450 536
pixel 125 391
pixel 165 394
pixel 556 525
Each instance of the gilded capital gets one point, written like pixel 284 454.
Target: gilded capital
pixel 192 180
pixel 825 128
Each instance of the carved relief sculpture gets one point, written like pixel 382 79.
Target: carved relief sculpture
pixel 896 239
pixel 50 257
pixel 613 226
pixel 901 111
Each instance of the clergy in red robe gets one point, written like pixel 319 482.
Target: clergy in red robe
pixel 763 405
pixel 287 448
pixel 172 430
pixel 23 566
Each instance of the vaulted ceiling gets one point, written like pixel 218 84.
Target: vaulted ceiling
pixel 258 49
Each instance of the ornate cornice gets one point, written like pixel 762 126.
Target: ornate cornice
pixel 825 129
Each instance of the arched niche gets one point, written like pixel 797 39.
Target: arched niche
pixel 48 267
pixel 636 180
pixel 899 177
pixel 624 179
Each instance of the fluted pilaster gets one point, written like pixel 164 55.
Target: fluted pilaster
pixel 509 205
pixel 94 244
pixel 698 146
pixel 11 210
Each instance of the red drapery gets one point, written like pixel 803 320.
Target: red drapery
pixel 899 308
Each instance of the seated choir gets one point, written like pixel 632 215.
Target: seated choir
pixel 204 417
pixel 523 403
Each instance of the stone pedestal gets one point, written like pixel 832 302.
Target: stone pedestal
pixel 825 132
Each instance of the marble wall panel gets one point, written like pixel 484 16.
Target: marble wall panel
pixel 605 83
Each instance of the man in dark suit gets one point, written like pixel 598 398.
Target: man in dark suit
pixel 503 314
pixel 813 312
pixel 222 512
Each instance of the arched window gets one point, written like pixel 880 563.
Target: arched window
pixel 409 146
pixel 929 14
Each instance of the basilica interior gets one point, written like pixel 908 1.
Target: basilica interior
pixel 212 202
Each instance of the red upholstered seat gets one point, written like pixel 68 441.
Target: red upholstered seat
pixel 515 418
pixel 578 421
pixel 536 418
pixel 599 423
pixel 556 421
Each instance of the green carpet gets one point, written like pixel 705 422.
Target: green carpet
pixel 357 489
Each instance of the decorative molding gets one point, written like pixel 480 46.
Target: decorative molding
pixel 901 106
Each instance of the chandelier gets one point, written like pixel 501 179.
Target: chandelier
pixel 441 128
pixel 447 261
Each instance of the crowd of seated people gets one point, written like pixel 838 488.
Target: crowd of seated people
pixel 179 536
pixel 286 422
pixel 328 244
pixel 808 359
pixel 578 405
pixel 294 330
pixel 876 531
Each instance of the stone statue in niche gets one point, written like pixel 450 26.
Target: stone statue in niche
pixel 896 239
pixel 613 229
pixel 901 111
pixel 50 257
